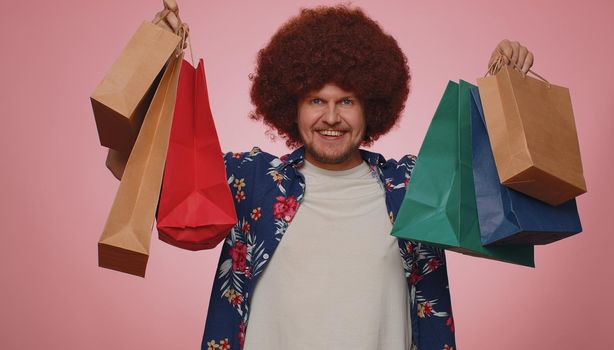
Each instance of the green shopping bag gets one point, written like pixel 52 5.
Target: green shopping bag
pixel 439 207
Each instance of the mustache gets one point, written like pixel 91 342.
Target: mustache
pixel 331 129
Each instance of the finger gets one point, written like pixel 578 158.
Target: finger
pixel 528 63
pixel 171 5
pixel 522 55
pixel 173 21
pixel 160 22
pixel 503 43
pixel 186 28
pixel 158 17
pixel 506 47
pixel 187 34
pixel 515 50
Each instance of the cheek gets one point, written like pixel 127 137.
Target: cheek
pixel 358 121
pixel 305 119
pixel 302 131
pixel 303 125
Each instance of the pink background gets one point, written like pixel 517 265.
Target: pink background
pixel 56 192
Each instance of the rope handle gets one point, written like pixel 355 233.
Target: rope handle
pixel 500 61
pixel 185 30
pixel 163 15
pixel 182 31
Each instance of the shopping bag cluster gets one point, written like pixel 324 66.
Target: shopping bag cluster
pixel 498 171
pixel 152 112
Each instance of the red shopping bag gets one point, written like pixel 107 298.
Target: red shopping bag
pixel 196 208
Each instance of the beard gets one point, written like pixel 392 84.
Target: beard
pixel 331 157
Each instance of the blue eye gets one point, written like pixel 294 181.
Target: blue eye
pixel 316 101
pixel 347 101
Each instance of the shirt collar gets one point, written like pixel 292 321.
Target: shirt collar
pixel 372 158
pixel 296 158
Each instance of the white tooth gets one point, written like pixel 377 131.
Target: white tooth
pixel 331 133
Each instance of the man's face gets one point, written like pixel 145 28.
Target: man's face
pixel 331 124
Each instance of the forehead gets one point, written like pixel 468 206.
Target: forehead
pixel 330 90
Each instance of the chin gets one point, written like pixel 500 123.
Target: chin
pixel 331 157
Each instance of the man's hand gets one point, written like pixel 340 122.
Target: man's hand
pixel 168 19
pixel 518 54
pixel 171 21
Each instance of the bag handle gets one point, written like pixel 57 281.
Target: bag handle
pixel 182 31
pixel 162 16
pixel 500 61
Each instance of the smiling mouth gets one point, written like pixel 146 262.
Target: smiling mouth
pixel 331 133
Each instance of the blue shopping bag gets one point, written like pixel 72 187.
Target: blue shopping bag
pixel 507 216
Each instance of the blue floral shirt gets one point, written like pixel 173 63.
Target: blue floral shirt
pixel 267 192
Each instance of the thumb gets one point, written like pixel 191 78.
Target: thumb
pixel 171 5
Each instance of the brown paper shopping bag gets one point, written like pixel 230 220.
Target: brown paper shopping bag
pixel 531 128
pixel 123 96
pixel 124 244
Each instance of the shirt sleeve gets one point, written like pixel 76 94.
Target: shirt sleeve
pixel 432 304
pixel 432 320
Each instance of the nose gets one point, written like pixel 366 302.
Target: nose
pixel 331 115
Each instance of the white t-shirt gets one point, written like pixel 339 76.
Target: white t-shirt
pixel 336 279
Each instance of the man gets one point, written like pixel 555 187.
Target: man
pixel 329 81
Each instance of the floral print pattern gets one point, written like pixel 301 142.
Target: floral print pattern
pixel 238 254
pixel 285 208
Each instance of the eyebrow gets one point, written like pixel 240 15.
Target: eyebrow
pixel 314 95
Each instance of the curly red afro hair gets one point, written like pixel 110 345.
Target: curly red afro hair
pixel 339 45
